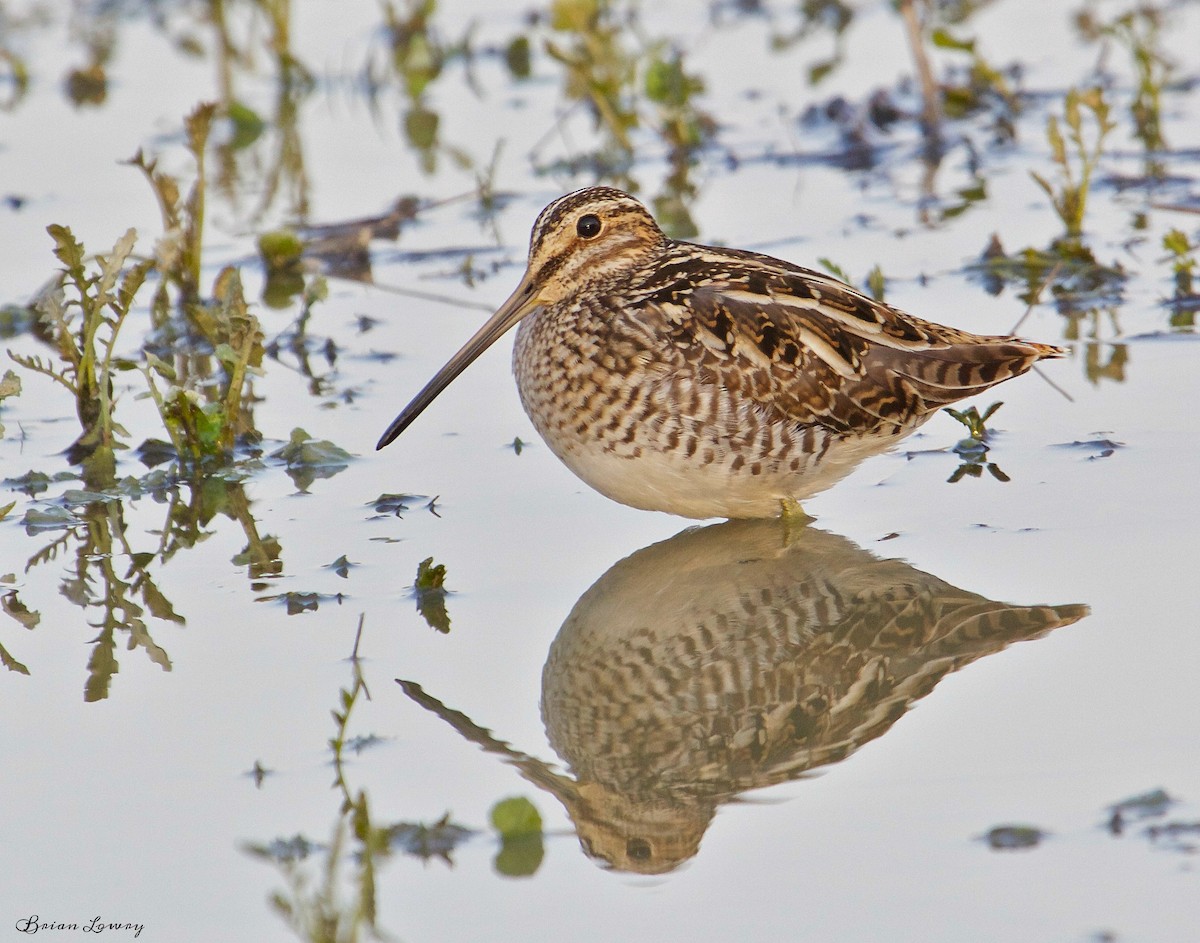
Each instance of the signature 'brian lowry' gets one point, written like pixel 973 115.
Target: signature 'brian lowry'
pixel 95 925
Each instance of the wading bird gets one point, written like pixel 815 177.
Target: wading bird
pixel 710 382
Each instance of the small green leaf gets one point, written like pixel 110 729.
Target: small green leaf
pixel 516 817
pixel 11 663
pixel 68 250
pixel 1058 148
pixel 247 125
pixel 518 58
pixel 942 39
pixel 876 282
pixel 302 449
pixel 31 483
pixel 1175 242
pixel 280 249
pixel 161 367
pixel 429 588
pixel 1014 837
pixel 112 264
pixel 574 15
pixel 430 576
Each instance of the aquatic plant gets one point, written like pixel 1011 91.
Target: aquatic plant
pixel 178 250
pixel 519 825
pixel 84 330
pixel 416 57
pixel 972 451
pixel 429 588
pixel 1140 32
pixel 318 911
pixel 975 422
pixel 626 82
pixel 206 426
pixel 1077 163
pixel 985 85
pixel 1182 256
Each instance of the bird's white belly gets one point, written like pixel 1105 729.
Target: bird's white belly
pixel 671 481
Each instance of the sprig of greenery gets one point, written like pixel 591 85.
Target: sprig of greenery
pixel 85 329
pixel 1077 166
pixel 1182 255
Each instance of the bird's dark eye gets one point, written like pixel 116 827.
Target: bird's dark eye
pixel 638 849
pixel 588 226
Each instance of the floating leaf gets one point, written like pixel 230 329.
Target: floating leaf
pixel 1014 837
pixel 516 817
pixel 39 519
pixel 247 125
pixel 429 589
pixel 35 482
pixel 302 449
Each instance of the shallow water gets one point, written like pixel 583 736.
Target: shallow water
pixel 617 668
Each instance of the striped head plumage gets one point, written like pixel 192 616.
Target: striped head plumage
pixel 712 382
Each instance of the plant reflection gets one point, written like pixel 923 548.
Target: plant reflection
pixel 96 541
pixel 416 57
pixel 341 906
pixel 730 658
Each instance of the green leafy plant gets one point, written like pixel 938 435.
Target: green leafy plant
pixel 1077 163
pixel 430 589
pixel 627 85
pixel 178 251
pixel 85 329
pixel 1140 32
pixel 1182 256
pixel 984 85
pixel 205 427
pixel 519 825
pixel 972 451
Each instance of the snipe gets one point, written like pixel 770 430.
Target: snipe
pixel 711 382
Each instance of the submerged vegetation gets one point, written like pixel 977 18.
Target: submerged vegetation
pixel 341 904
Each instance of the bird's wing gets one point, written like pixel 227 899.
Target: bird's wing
pixel 814 350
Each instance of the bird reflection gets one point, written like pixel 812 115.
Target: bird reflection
pixel 733 657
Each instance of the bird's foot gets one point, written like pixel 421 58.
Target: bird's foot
pixel 793 517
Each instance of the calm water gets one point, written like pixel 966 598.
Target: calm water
pixel 968 655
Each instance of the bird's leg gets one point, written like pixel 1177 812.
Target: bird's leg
pixel 793 517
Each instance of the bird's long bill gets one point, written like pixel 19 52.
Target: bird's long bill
pixel 520 303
